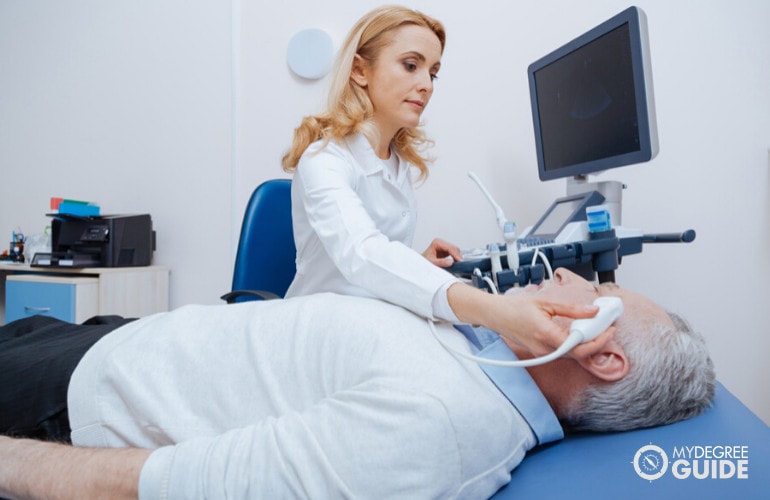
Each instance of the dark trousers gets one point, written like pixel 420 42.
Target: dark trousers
pixel 37 358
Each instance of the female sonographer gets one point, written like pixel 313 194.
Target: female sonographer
pixel 353 206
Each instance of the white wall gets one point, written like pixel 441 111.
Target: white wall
pixel 131 103
pixel 128 104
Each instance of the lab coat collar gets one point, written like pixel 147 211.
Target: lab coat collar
pixel 364 154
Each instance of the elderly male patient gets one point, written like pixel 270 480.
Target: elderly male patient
pixel 329 396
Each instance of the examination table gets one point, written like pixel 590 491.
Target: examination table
pixel 601 466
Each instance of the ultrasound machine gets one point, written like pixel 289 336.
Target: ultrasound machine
pixel 593 110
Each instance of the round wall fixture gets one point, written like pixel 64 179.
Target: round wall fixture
pixel 310 53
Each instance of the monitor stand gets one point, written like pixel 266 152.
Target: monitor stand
pixel 611 190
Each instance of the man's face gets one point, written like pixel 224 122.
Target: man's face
pixel 567 286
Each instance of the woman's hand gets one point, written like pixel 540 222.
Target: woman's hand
pixel 531 325
pixel 524 320
pixel 442 253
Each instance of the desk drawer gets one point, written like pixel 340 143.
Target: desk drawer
pixel 67 298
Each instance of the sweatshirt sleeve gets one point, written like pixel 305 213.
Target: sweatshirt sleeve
pixel 153 480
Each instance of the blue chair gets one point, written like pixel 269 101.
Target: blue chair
pixel 264 263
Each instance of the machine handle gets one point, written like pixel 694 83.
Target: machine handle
pixel 685 237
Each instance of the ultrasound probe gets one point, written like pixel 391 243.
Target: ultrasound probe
pixel 581 330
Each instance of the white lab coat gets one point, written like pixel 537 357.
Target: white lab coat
pixel 353 227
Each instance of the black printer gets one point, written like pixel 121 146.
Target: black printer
pixel 100 241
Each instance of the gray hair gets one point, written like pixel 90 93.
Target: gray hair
pixel 671 378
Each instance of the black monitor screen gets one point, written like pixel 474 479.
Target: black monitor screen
pixel 590 105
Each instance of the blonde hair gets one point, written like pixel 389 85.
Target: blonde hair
pixel 349 108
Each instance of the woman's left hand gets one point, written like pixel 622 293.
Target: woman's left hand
pixel 442 253
pixel 525 320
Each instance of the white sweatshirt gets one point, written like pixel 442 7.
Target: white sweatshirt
pixel 320 396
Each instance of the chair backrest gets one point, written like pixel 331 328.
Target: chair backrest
pixel 266 253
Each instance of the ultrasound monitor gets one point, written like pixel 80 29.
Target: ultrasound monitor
pixel 592 100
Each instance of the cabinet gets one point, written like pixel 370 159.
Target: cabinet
pixel 70 299
pixel 77 294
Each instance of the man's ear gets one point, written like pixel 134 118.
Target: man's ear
pixel 358 71
pixel 610 364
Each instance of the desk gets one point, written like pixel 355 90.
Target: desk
pixel 600 465
pixel 126 291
